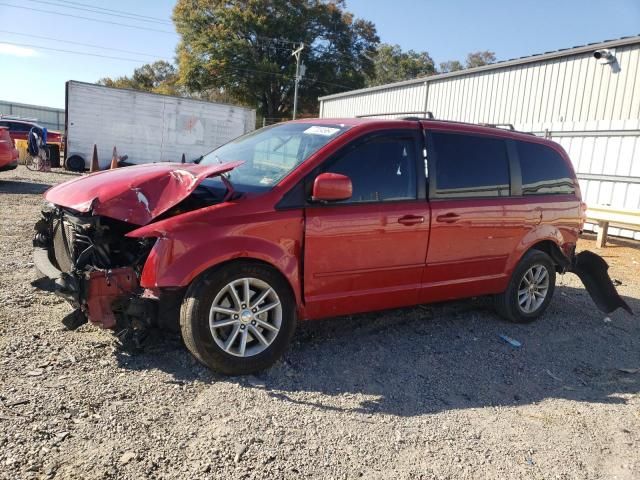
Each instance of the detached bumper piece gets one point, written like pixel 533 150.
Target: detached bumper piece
pixel 592 270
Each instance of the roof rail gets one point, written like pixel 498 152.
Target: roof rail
pixel 508 126
pixel 425 115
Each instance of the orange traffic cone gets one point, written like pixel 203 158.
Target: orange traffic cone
pixel 95 166
pixel 114 159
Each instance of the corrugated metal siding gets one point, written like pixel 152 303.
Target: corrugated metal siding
pixel 408 98
pixel 568 94
pixel 573 88
pixel 52 118
pixel 148 127
pixel 570 89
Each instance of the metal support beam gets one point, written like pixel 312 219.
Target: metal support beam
pixel 607 178
pixel 588 133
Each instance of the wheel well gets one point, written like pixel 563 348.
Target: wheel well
pixel 553 250
pixel 255 261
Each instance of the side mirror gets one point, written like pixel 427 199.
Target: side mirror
pixel 331 187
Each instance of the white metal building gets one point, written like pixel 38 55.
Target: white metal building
pixel 591 106
pixel 52 118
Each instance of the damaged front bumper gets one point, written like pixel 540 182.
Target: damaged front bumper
pixel 108 297
pixel 92 294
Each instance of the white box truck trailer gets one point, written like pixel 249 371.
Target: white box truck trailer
pixel 147 127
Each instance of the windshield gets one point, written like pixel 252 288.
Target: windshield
pixel 270 153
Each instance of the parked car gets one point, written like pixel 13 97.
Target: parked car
pixel 318 218
pixel 8 151
pixel 19 130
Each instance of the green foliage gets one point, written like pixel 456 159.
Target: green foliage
pixel 391 64
pixel 478 59
pixel 244 47
pixel 239 51
pixel 474 59
pixel 158 77
pixel 451 66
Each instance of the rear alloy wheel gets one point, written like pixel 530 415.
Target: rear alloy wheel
pixel 533 288
pixel 530 289
pixel 238 319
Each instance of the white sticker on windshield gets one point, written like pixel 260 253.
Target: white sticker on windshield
pixel 325 131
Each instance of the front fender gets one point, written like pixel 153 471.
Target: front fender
pixel 180 256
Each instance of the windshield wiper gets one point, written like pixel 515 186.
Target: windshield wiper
pixel 226 179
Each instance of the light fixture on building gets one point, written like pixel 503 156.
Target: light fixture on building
pixel 607 57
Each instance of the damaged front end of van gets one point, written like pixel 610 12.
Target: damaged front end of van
pixel 83 250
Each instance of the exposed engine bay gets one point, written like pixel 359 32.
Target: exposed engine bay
pixel 89 260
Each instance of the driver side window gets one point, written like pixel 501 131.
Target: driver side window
pixel 381 169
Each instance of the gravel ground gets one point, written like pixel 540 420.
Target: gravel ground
pixel 424 392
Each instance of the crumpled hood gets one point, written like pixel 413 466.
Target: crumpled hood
pixel 135 194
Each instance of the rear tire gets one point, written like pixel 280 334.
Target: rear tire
pixel 238 319
pixel 530 289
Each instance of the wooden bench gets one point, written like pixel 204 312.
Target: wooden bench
pixel 616 217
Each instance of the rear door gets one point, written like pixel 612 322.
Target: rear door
pixel 476 224
pixel 368 252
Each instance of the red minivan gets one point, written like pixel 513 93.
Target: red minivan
pixel 317 218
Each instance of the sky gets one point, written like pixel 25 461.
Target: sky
pixel 447 29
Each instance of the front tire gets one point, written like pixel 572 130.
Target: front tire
pixel 238 319
pixel 530 289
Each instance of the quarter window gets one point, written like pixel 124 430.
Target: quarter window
pixel 382 169
pixel 470 166
pixel 544 171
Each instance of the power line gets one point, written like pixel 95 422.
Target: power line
pixel 288 76
pixel 30 35
pixel 117 11
pixel 88 18
pixel 75 52
pixel 252 70
pixel 97 11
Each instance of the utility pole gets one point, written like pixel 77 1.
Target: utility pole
pixel 297 53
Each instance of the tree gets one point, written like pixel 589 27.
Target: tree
pixel 450 66
pixel 391 64
pixel 478 59
pixel 158 77
pixel 243 47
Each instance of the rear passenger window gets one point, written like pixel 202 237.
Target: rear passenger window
pixel 470 166
pixel 544 171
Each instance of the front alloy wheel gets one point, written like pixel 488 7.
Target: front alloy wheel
pixel 239 318
pixel 245 317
